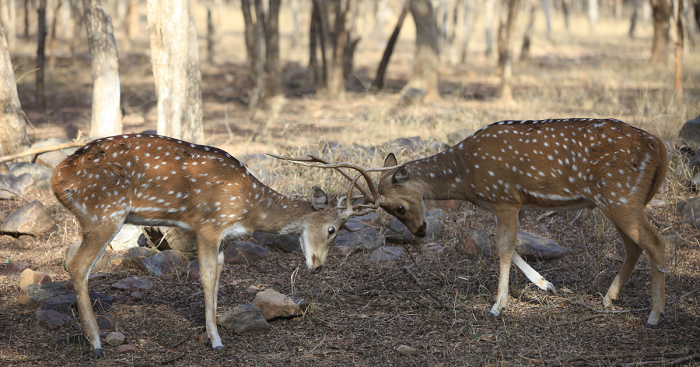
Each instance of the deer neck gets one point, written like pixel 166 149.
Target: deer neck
pixel 273 212
pixel 439 177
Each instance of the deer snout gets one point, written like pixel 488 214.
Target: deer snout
pixel 315 264
pixel 422 231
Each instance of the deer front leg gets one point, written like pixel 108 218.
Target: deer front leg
pixel 532 274
pixel 506 232
pixel 208 249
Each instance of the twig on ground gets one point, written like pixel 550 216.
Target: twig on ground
pixel 604 357
pixel 442 305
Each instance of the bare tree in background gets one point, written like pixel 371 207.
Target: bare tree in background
pixel 41 55
pixel 262 45
pixel 468 20
pixel 425 75
pixel 272 50
pixel 175 60
pixel 8 17
pixel 381 70
pixel 13 129
pixel 525 49
pixel 661 12
pixel 131 24
pixel 679 52
pixel 106 112
pixel 489 7
pixel 505 61
pixel 593 13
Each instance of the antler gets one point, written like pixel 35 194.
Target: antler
pixel 349 209
pixel 311 160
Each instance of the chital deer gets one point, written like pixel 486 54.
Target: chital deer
pixel 564 164
pixel 154 180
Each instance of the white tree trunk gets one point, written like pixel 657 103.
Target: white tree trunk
pixel 593 13
pixel 175 60
pixel 13 130
pixel 106 112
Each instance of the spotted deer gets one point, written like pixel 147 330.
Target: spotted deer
pixel 154 180
pixel 509 166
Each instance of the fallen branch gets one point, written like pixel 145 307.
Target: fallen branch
pixel 72 144
pixel 606 357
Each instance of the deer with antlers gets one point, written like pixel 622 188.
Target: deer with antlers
pixel 154 180
pixel 566 164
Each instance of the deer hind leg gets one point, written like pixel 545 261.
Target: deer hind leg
pixel 506 232
pixel 632 252
pixel 210 265
pixel 642 233
pixel 94 243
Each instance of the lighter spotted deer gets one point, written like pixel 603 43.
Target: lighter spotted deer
pixel 509 166
pixel 154 180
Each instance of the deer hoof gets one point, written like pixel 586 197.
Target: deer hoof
pixel 99 353
pixel 551 288
pixel 219 348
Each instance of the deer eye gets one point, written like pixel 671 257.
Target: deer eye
pixel 331 231
pixel 400 209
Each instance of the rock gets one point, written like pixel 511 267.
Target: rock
pixel 193 271
pixel 135 255
pixel 244 253
pixel 431 249
pixel 102 263
pixel 126 238
pixel 658 203
pixel 49 320
pixel 105 322
pixel 487 246
pixel 34 295
pixel 470 248
pixel 171 238
pixel 354 224
pixel 405 350
pixel 274 304
pixel 689 207
pixel 348 242
pixel 435 230
pixel 30 219
pixel 689 136
pixel 53 158
pixel 386 253
pixel 15 267
pixel 126 348
pixel 411 144
pixel 64 303
pixel 284 242
pixel 134 283
pixel 244 319
pixel 11 185
pixel 459 135
pixel 29 276
pixel 40 174
pixel 533 246
pixel 253 289
pixel 165 262
pixel 115 339
pixel 673 239
pixel 412 96
pixel 100 301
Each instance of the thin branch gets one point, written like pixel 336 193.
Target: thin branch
pixel 42 150
pixel 433 296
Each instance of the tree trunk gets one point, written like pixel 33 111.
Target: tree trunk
pixel 525 50
pixel 662 13
pixel 379 79
pixel 7 18
pixel 257 94
pixel 175 60
pixel 76 15
pixel 505 60
pixel 249 32
pixel 41 54
pixel 132 19
pixel 314 66
pixel 336 81
pixel 296 23
pixel 633 18
pixel 211 35
pixel 468 21
pixel 488 24
pixel 272 48
pixel 52 41
pixel 26 18
pixel 593 14
pixel 547 16
pixel 679 53
pixel 13 129
pixel 106 112
pixel 425 67
pixel 565 10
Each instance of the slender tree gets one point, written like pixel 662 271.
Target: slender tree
pixel 175 60
pixel 679 53
pixel 106 112
pixel 379 79
pixel 425 65
pixel 13 129
pixel 505 32
pixel 661 12
pixel 41 55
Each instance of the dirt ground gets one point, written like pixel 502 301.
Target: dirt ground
pixel 360 312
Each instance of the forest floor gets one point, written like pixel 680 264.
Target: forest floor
pixel 360 312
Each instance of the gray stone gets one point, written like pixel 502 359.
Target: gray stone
pixel 171 238
pixel 484 241
pixel 11 185
pixel 431 249
pixel 244 319
pixel 274 304
pixel 126 238
pixel 31 219
pixel 102 263
pixel 284 242
pixel 48 320
pixel 690 207
pixel 348 242
pixel 164 262
pixel 64 303
pixel 386 253
pixel 405 350
pixel 533 246
pixel 15 267
pixel 34 295
pixel 105 322
pixel 244 253
pixel 115 339
pixel 413 96
pixel 435 230
pixel 39 173
pixel 135 255
pixel 134 283
pixel 354 224
pixel 29 276
pixel 192 270
pixel 689 136
pixel 53 158
pixel 411 144
pixel 459 135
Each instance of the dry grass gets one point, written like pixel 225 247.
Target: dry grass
pixel 361 312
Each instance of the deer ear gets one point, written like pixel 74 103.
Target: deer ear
pixel 390 160
pixel 319 200
pixel 401 175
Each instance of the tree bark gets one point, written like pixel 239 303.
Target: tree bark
pixel 13 129
pixel 633 18
pixel 132 19
pixel 505 60
pixel 679 53
pixel 547 16
pixel 488 24
pixel 425 67
pixel 661 12
pixel 76 15
pixel 211 36
pixel 41 54
pixel 593 14
pixel 175 60
pixel 26 18
pixel 525 49
pixel 106 113
pixel 7 18
pixel 52 41
pixel 336 81
pixel 272 48
pixel 468 21
pixel 379 79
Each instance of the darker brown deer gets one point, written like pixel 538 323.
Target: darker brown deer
pixel 153 180
pixel 566 164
